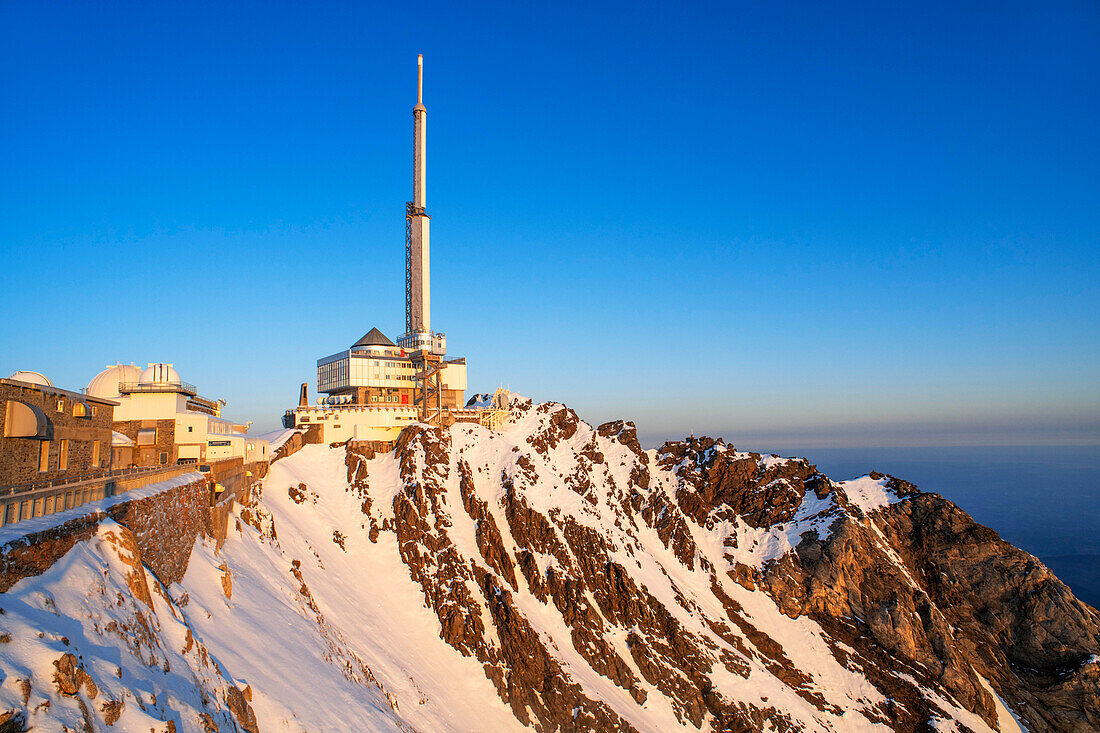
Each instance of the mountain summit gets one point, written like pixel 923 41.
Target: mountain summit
pixel 557 577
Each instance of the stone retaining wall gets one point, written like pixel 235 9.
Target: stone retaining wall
pixel 164 521
pixel 292 445
pixel 165 526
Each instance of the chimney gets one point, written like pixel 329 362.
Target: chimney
pixel 303 401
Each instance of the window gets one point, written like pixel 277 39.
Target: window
pixel 163 457
pixel 95 453
pixel 80 410
pixel 44 456
pixel 93 410
pixel 62 454
pixel 190 429
pixel 61 404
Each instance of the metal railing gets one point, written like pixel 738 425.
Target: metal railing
pixel 116 473
pixel 131 387
pixel 50 497
pixel 351 406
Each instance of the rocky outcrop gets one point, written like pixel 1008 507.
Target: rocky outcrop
pixel 116 664
pixel 581 582
pixel 900 588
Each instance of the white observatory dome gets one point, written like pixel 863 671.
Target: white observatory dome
pixel 32 377
pixel 105 384
pixel 160 374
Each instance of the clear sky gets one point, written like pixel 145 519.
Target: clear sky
pixel 807 223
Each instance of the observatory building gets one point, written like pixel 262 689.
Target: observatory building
pixel 159 419
pixel 375 387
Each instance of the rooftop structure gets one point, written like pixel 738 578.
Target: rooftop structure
pixel 32 378
pixel 161 419
pixel 373 338
pixel 119 381
pixel 374 388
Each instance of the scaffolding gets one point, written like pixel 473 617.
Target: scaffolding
pixel 411 210
pixel 428 397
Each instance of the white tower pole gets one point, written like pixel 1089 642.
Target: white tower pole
pixel 420 117
pixel 419 290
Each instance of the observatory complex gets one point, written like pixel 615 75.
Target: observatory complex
pixel 374 388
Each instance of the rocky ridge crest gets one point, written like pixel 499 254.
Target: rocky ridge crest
pixel 747 591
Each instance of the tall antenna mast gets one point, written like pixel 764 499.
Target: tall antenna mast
pixel 417 249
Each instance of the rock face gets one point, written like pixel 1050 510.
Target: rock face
pixel 747 591
pixel 557 577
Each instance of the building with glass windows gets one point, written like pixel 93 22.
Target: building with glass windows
pixel 369 391
pixel 160 419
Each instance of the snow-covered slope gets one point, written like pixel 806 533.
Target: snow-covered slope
pixel 555 576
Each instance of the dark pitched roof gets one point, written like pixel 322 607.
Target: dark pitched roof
pixel 374 338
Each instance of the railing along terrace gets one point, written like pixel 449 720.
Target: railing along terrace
pixel 38 498
pixel 131 387
pixel 86 476
pixel 354 406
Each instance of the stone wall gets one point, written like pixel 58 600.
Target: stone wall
pixel 165 525
pixel 314 435
pixel 236 479
pixel 38 552
pixel 292 445
pixel 217 518
pixel 19 456
pixel 149 455
pixel 369 449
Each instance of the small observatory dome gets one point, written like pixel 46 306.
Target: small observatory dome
pixel 160 374
pixel 32 378
pixel 105 384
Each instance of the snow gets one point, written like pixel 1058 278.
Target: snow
pixel 136 654
pixel 869 494
pixel 357 648
pixel 656 569
pixel 276 438
pixel 373 613
pixel 773 460
pixel 737 542
pixel 1007 721
pixel 952 718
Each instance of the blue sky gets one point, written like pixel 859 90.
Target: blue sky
pixel 864 224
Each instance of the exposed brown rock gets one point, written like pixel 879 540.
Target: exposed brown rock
pixel 242 711
pixel 13 721
pixel 70 677
pixel 227 582
pixel 209 725
pixel 112 711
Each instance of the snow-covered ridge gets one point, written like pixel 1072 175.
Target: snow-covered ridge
pixel 869 493
pixel 555 576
